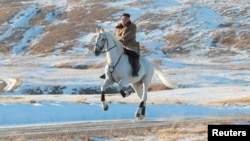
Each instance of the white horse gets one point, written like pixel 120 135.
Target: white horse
pixel 118 70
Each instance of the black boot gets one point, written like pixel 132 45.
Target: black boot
pixel 135 67
pixel 103 76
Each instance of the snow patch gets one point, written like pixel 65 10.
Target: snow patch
pixel 28 36
pixel 21 19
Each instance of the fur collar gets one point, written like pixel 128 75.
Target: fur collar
pixel 121 26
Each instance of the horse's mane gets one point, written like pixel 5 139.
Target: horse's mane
pixel 114 38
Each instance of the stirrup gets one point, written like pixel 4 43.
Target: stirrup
pixel 135 74
pixel 103 76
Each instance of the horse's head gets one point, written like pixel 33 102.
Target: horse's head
pixel 100 41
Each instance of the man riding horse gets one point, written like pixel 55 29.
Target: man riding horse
pixel 126 34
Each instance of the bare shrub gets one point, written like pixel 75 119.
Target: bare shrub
pixel 228 38
pixel 244 40
pixel 156 61
pixel 243 101
pixel 80 66
pixel 149 26
pixel 157 87
pixel 4 48
pixel 91 66
pixel 178 132
pixel 228 41
pixel 62 65
pixel 216 38
pixel 14 100
pixel 175 40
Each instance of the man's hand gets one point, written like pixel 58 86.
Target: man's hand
pixel 120 38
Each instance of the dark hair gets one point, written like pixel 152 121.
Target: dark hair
pixel 126 15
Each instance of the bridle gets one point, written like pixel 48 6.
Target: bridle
pixel 111 68
pixel 106 41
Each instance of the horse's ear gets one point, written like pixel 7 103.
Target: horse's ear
pixel 97 29
pixel 102 30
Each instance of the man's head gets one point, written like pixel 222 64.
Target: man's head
pixel 125 18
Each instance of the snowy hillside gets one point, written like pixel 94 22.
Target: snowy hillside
pixel 47 45
pixel 46 49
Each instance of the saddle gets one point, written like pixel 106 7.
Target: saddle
pixel 135 63
pixel 135 66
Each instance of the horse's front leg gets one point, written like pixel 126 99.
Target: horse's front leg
pixel 140 113
pixel 123 88
pixel 107 83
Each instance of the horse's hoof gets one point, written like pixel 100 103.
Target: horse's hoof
pixel 105 108
pixel 141 117
pixel 138 113
pixel 127 93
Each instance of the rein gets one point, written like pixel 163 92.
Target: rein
pixel 112 68
pixel 106 50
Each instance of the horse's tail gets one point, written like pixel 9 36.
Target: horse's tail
pixel 163 79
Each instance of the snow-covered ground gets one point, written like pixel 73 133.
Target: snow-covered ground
pixel 47 112
pixel 182 102
pixel 191 40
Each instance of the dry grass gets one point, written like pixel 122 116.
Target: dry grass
pixel 175 40
pixel 237 67
pixel 157 87
pixel 230 38
pixel 2 85
pixel 218 52
pixel 54 35
pixel 236 101
pixel 150 26
pixel 15 99
pixel 4 48
pixel 181 130
pixel 58 137
pixel 81 66
pixel 7 12
pixel 81 20
pixel 121 134
pixel 60 37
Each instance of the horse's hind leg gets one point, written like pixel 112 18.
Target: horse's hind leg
pixel 107 83
pixel 138 88
pixel 125 92
pixel 123 88
pixel 142 93
pixel 140 112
